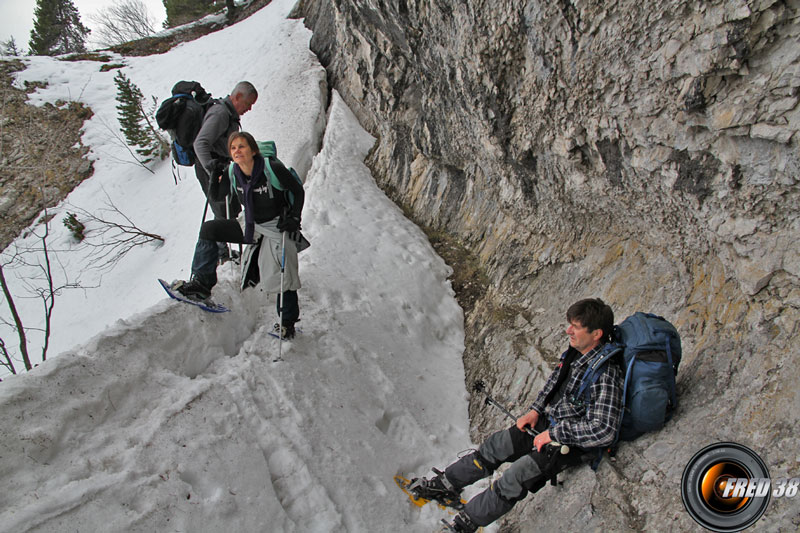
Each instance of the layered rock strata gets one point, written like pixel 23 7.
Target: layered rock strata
pixel 643 152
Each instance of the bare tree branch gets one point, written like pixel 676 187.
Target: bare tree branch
pixel 48 295
pixel 163 144
pixel 116 235
pixel 125 20
pixel 34 266
pixel 6 358
pixel 23 341
pixel 121 142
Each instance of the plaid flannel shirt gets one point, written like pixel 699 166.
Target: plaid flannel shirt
pixel 593 425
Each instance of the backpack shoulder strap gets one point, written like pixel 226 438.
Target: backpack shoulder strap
pixel 597 367
pixel 232 177
pixel 268 151
pixel 565 362
pixel 272 178
pixel 275 182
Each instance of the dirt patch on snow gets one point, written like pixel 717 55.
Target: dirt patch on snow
pixel 41 156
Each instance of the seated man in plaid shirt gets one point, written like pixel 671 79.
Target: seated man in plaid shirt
pixel 558 415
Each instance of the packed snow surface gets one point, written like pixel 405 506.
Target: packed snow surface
pixel 152 415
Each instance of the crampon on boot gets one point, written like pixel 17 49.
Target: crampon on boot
pixel 461 524
pixel 436 488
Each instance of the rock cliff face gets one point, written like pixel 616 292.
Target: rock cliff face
pixel 642 152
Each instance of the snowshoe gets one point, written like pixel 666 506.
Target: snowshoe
pixel 436 488
pixel 287 331
pixel 420 491
pixel 193 289
pixel 205 305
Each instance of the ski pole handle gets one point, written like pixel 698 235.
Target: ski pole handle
pixel 562 448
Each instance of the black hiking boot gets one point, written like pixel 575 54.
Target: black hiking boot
pixel 225 256
pixel 192 289
pixel 436 488
pixel 461 524
pixel 287 331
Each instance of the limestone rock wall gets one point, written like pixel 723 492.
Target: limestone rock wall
pixel 643 152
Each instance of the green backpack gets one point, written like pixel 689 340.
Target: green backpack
pixel 269 151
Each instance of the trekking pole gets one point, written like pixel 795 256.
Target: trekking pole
pixel 205 211
pixel 280 310
pixel 480 386
pixel 227 244
pixel 208 194
pixel 241 262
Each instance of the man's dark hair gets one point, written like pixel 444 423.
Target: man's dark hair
pixel 593 313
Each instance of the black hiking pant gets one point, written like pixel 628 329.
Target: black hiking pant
pixel 218 207
pixel 206 251
pixel 291 307
pixel 529 471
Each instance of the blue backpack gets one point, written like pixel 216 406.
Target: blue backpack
pixel 182 116
pixel 651 349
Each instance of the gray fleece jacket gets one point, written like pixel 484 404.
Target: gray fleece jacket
pixel 211 143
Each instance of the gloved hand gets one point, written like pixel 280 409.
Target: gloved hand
pixel 218 167
pixel 289 223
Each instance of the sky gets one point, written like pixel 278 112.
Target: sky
pixel 153 415
pixel 16 17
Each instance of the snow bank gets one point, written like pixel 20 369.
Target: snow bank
pixel 266 49
pixel 182 420
pixel 173 419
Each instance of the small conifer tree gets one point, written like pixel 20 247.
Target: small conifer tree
pixel 57 29
pixel 9 48
pixel 136 122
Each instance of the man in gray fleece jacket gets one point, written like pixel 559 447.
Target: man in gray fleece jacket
pixel 211 143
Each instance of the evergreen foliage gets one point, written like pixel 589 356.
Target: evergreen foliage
pixel 57 29
pixel 75 226
pixel 183 11
pixel 9 48
pixel 136 123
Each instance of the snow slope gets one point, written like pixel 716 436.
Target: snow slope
pixel 290 110
pixel 161 417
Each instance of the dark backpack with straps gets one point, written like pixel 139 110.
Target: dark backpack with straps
pixel 182 116
pixel 652 355
pixel 651 348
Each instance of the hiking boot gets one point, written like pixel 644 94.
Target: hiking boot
pixel 192 289
pixel 436 488
pixel 461 524
pixel 287 331
pixel 224 257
